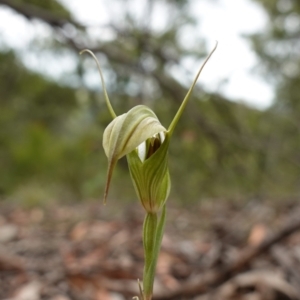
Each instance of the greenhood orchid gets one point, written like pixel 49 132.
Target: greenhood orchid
pixel 140 136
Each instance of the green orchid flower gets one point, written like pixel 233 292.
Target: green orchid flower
pixel 137 134
pixel 140 136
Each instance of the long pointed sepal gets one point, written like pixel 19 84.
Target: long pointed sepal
pixel 186 98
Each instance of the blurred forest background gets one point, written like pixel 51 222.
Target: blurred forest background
pixel 51 129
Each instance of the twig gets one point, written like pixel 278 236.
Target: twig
pixel 215 278
pixel 11 262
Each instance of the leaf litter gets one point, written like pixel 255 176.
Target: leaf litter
pixel 213 250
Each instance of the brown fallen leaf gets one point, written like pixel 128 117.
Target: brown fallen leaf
pixel 257 235
pixel 29 291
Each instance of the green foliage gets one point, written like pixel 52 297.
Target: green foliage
pixel 278 49
pixel 38 142
pixel 52 6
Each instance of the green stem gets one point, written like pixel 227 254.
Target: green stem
pixel 152 237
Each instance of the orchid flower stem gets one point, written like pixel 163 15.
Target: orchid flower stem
pixel 152 236
pixel 125 135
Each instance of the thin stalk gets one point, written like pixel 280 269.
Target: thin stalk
pixel 153 233
pixel 149 235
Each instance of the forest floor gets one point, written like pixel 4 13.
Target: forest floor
pixel 213 250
